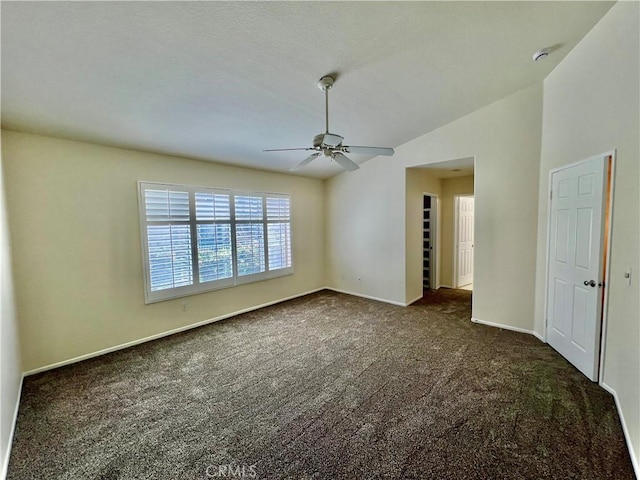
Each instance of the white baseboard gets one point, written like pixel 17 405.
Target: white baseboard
pixel 625 430
pixel 384 300
pixel 5 461
pixel 445 286
pixel 419 297
pixel 164 334
pixel 505 327
pixel 538 336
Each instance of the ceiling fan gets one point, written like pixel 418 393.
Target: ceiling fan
pixel 330 144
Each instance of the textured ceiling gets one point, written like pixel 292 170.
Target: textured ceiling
pixel 222 81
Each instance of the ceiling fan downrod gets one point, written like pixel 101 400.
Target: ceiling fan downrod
pixel 325 84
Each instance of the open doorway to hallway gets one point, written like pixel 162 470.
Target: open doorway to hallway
pixel 434 254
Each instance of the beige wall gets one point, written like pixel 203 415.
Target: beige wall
pixel 450 188
pixel 369 243
pixel 73 215
pixel 10 361
pixel 591 106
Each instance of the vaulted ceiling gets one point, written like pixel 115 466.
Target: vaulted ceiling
pixel 221 81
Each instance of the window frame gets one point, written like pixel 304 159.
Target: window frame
pixel 196 286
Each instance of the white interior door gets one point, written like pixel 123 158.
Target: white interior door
pixel 465 241
pixel 575 273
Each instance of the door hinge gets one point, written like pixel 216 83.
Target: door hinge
pixel 551 195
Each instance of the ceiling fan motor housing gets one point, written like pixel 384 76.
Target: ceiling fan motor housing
pixel 327 140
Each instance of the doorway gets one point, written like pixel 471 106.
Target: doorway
pixel 429 242
pixel 464 241
pixel 429 239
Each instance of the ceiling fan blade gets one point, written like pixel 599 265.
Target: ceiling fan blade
pixel 370 150
pixel 345 162
pixel 287 149
pixel 305 162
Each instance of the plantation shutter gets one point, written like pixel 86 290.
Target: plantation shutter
pixel 279 232
pixel 215 249
pixel 197 239
pixel 250 234
pixel 169 239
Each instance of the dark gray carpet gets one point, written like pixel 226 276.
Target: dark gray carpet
pixel 327 386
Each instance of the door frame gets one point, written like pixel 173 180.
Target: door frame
pixel 608 211
pixel 456 211
pixel 433 239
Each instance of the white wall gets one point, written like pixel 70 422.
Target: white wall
pixel 10 362
pixel 365 231
pixel 73 216
pixel 591 106
pixel 366 210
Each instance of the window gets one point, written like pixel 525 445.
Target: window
pixel 196 239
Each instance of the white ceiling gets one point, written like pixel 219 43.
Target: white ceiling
pixel 221 81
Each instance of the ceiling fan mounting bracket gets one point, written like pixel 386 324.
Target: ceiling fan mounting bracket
pixel 325 83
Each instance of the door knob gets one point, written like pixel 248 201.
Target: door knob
pixel 589 283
